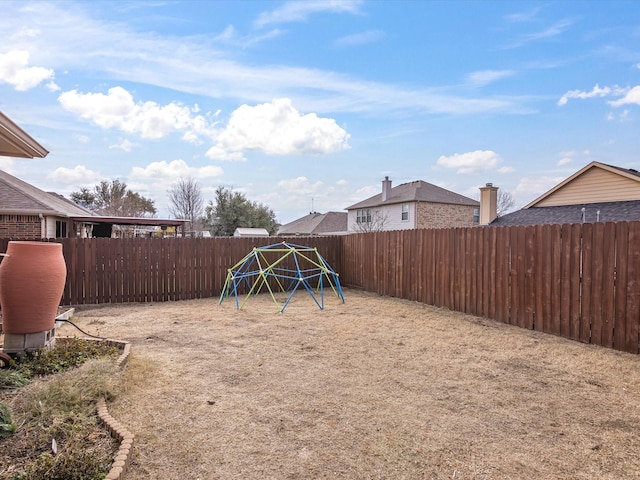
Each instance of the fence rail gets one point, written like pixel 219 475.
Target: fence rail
pixel 580 281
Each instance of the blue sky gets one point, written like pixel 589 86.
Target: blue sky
pixel 310 104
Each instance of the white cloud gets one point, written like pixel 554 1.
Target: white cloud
pixel 506 170
pixel 299 186
pixel 485 77
pixel 363 38
pixel 470 162
pixel 631 97
pixel 296 11
pixel 80 138
pixel 523 16
pixel 277 128
pixel 534 187
pixel 117 109
pixel 553 31
pixel 78 175
pixel 230 36
pixel 170 171
pixel 124 145
pixel 211 69
pixel 6 164
pixel 564 161
pixel 15 71
pixel 596 91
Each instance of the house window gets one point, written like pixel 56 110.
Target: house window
pixel 61 229
pixel 363 215
pixel 476 215
pixel 405 211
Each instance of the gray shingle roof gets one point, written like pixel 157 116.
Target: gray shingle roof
pixel 19 197
pixel 609 212
pixel 316 223
pixel 631 171
pixel 418 191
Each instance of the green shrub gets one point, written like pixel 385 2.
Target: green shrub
pixel 7 427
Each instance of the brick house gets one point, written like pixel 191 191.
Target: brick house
pixel 28 213
pixel 412 205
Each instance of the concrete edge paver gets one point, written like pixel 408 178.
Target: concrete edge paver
pixel 122 458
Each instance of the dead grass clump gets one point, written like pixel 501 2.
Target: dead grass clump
pixel 57 434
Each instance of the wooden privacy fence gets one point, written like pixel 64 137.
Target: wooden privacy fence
pixel 110 270
pixel 580 281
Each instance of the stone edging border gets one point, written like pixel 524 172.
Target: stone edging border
pixel 122 458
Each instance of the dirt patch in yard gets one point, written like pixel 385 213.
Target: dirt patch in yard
pixel 375 388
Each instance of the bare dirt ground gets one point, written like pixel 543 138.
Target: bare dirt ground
pixel 376 388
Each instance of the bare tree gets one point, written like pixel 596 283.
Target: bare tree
pixel 374 222
pixel 505 202
pixel 186 202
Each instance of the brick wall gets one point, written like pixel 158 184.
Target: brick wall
pixel 20 226
pixel 442 215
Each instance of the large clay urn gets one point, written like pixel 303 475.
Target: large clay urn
pixel 32 278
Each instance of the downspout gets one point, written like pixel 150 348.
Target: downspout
pixel 43 226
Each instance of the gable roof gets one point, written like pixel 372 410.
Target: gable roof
pixel 593 212
pixel 316 223
pixel 22 198
pixel 15 142
pixel 630 174
pixel 417 191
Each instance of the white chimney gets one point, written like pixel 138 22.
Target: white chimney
pixel 386 189
pixel 488 204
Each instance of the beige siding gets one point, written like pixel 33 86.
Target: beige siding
pixel 594 185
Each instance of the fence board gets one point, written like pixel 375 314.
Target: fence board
pixel 556 279
pixel 544 279
pixel 597 283
pixel 586 279
pixel 633 289
pixel 502 275
pixel 519 273
pixel 574 281
pixel 529 293
pixel 606 294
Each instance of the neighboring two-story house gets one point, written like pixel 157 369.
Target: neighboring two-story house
pixel 595 193
pixel 412 205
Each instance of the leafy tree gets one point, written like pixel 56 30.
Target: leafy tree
pixel 232 210
pixel 113 198
pixel 186 202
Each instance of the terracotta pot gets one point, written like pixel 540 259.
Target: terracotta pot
pixel 32 278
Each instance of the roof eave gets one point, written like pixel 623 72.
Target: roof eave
pixel 15 142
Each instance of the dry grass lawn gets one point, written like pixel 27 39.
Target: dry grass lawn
pixel 376 388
